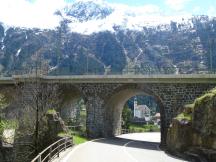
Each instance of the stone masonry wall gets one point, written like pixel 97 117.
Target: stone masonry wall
pixel 172 97
pixel 95 95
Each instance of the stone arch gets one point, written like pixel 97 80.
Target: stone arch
pixel 70 94
pixel 115 102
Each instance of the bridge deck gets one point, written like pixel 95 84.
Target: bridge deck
pixel 182 78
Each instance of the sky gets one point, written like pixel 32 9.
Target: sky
pixel 194 7
pixel 39 13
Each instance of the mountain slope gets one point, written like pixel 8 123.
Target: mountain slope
pixel 89 41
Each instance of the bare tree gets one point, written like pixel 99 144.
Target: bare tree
pixel 35 99
pixel 3 104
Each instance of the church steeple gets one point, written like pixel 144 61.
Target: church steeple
pixel 135 105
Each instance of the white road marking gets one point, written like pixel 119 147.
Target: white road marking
pixel 127 153
pixel 110 151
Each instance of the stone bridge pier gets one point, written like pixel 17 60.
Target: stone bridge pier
pixel 105 103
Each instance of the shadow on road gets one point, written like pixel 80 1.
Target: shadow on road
pixel 130 143
pixel 134 144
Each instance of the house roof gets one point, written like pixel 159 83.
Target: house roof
pixel 157 115
pixel 144 107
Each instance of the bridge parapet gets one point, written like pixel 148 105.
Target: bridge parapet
pixel 165 70
pixel 182 78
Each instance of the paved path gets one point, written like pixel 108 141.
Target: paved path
pixel 125 148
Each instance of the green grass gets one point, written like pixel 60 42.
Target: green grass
pixel 78 136
pixel 3 101
pixel 189 109
pixel 189 106
pixel 83 114
pixel 143 128
pixel 184 116
pixel 8 124
pixel 79 140
pixel 187 113
pixel 206 97
pixel 63 134
pixel 51 111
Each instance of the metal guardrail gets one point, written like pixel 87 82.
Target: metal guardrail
pixel 53 150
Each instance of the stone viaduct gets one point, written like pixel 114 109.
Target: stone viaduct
pixel 105 96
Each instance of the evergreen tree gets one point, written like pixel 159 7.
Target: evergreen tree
pixel 126 117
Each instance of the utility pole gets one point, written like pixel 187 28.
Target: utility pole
pixel 211 42
pixel 211 45
pixel 87 64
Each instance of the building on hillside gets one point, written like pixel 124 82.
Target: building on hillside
pixel 142 111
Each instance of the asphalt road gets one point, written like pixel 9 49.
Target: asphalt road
pixel 136 147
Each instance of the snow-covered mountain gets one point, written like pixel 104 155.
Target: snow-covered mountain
pixel 88 10
pixel 93 16
pixel 95 36
pixel 89 16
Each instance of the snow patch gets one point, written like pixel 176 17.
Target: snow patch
pixel 202 61
pixel 18 52
pixel 176 69
pixel 6 27
pixel 2 47
pixel 53 68
pixel 66 56
pixel 2 43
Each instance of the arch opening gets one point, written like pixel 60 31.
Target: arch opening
pixel 74 113
pixel 119 99
pixel 140 114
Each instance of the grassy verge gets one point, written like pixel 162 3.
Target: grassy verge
pixel 78 137
pixel 184 116
pixel 7 124
pixel 51 111
pixel 143 128
pixel 79 140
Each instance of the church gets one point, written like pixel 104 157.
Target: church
pixel 141 111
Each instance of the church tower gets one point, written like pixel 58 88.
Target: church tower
pixel 135 106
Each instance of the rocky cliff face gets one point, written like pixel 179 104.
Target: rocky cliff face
pixel 193 131
pixel 90 40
